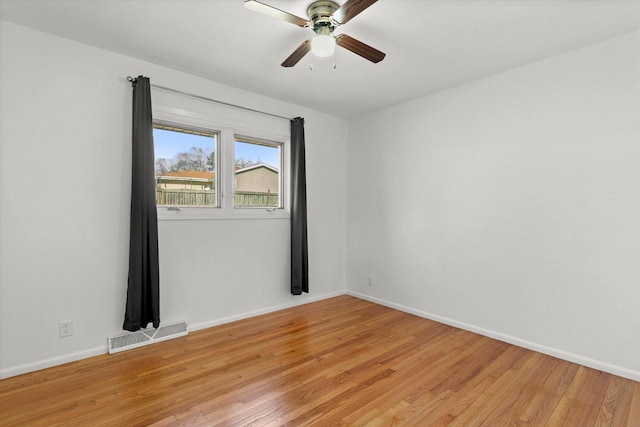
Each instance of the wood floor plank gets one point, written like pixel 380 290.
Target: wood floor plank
pixel 340 361
pixel 608 407
pixel 634 408
pixel 540 407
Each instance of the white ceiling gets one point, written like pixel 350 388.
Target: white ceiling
pixel 431 45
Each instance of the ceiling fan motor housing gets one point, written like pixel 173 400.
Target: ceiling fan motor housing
pixel 320 15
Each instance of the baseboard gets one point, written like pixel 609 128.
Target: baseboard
pixel 53 361
pixel 97 351
pixel 560 354
pixel 294 303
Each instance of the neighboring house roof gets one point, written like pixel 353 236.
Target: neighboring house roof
pixel 188 174
pixel 259 165
pixel 204 175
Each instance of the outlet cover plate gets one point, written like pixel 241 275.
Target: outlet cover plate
pixel 65 328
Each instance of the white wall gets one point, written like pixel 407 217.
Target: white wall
pixel 510 206
pixel 65 119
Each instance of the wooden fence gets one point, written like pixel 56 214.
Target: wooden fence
pixel 176 197
pixel 248 198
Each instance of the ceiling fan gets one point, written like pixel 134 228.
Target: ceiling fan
pixel 324 17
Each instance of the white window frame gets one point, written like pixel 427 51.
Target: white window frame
pixel 281 188
pixel 176 111
pixel 210 133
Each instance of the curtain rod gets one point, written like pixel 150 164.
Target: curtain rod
pixel 228 104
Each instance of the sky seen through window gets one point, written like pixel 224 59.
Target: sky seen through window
pixel 168 143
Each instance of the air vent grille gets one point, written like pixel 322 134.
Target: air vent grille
pixel 131 340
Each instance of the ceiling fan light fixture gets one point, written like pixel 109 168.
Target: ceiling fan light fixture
pixel 323 45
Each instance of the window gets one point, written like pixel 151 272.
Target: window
pixel 185 167
pixel 217 162
pixel 196 168
pixel 257 177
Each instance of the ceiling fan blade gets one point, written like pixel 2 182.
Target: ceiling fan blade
pixel 265 9
pixel 297 54
pixel 359 48
pixel 350 9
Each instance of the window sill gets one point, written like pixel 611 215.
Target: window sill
pixel 195 214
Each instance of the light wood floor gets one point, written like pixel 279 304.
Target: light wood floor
pixel 341 361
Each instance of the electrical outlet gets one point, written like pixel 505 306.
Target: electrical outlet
pixel 65 328
pixel 370 281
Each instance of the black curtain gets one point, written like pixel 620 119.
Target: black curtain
pixel 143 299
pixel 299 251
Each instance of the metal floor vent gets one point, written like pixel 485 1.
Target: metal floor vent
pixel 130 340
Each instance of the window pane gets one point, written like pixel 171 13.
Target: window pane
pixel 185 167
pixel 257 182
